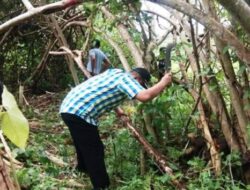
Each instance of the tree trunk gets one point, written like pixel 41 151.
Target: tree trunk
pixel 127 38
pixel 233 87
pixel 214 97
pixel 215 156
pixel 62 42
pixel 216 100
pixel 211 24
pixel 235 96
pixel 240 10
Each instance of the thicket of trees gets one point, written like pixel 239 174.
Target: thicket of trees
pixel 43 42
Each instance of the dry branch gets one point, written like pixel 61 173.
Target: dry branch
pixel 55 160
pixel 58 32
pixel 157 156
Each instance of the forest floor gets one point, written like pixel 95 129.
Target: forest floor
pixel 48 162
pixel 49 158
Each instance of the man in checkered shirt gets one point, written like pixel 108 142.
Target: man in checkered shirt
pixel 84 104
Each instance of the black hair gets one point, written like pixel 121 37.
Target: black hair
pixel 96 43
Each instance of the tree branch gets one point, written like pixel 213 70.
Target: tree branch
pixel 27 4
pixel 215 27
pixel 46 9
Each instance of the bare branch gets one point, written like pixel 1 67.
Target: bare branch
pixel 5 36
pixel 50 8
pixel 27 4
pixel 76 55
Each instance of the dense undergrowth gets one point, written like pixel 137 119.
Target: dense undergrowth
pixel 49 159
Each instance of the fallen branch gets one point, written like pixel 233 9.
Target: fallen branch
pixel 55 160
pixel 66 182
pixel 157 156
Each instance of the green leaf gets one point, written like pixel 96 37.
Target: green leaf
pixel 13 123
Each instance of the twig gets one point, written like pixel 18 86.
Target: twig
pixel 56 160
pixel 5 35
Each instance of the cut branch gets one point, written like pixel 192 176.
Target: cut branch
pixel 157 156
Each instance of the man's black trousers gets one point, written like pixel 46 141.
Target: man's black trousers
pixel 89 149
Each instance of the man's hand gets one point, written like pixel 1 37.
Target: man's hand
pixel 150 93
pixel 167 78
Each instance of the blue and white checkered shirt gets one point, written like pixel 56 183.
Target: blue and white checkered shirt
pixel 99 94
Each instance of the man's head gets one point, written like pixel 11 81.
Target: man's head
pixel 141 75
pixel 96 43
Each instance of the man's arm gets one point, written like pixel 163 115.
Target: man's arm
pixel 106 64
pixel 93 64
pixel 150 93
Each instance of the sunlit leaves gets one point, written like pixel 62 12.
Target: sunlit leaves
pixel 12 122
